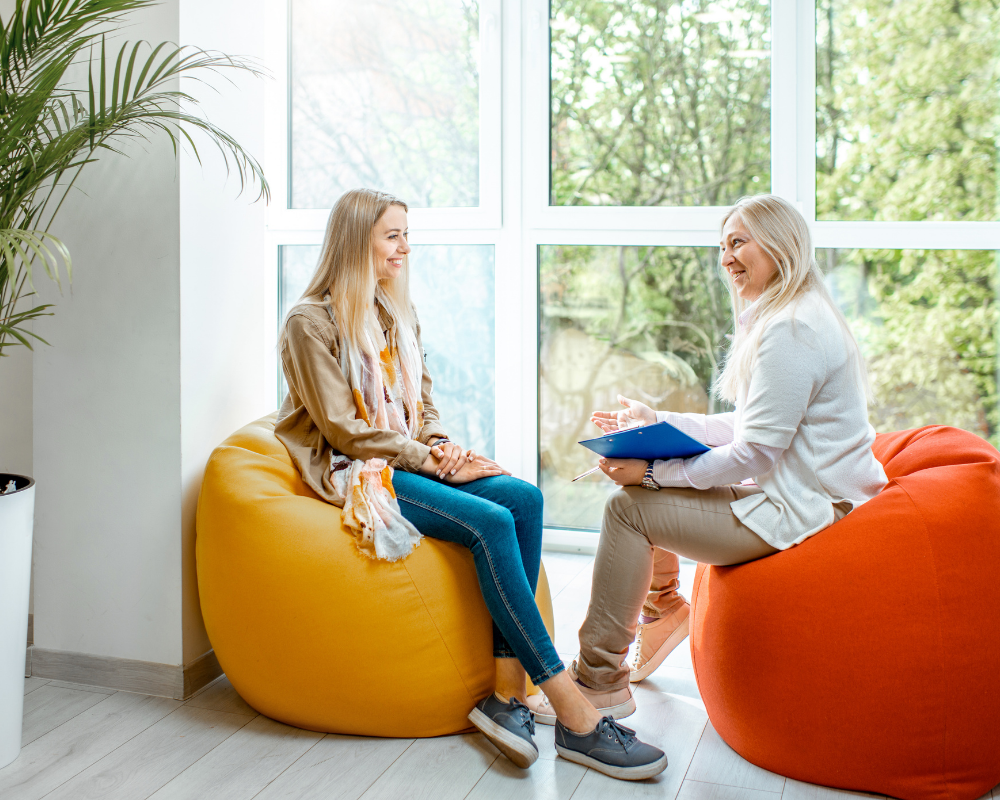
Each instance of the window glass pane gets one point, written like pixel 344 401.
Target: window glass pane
pixel 385 94
pixel 926 321
pixel 660 102
pixel 646 322
pixel 907 110
pixel 459 344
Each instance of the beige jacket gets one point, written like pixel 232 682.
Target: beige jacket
pixel 319 414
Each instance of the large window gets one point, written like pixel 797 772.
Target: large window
pixel 385 94
pixel 567 163
pixel 660 103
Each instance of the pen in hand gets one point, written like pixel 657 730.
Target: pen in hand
pixel 591 472
pixel 585 474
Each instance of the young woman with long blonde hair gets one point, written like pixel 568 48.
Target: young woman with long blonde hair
pixel 360 424
pixel 800 431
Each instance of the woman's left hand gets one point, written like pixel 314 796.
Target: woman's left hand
pixel 479 467
pixel 624 471
pixel 451 458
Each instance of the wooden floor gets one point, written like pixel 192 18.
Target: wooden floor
pixel 82 743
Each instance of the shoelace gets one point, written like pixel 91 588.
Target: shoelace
pixel 637 656
pixel 615 731
pixel 527 719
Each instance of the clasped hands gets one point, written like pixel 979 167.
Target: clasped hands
pixel 624 471
pixel 452 463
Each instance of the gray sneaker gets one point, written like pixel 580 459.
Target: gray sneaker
pixel 509 726
pixel 613 749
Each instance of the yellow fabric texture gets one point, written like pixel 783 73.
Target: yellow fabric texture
pixel 314 634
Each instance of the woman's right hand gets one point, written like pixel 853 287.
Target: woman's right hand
pixel 635 415
pixel 448 457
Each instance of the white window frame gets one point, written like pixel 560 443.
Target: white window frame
pixel 516 218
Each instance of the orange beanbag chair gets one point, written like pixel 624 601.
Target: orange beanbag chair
pixel 868 657
pixel 314 634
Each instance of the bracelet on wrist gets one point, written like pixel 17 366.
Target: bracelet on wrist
pixel 648 481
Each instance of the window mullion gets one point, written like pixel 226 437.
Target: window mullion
pixel 784 100
pixel 805 138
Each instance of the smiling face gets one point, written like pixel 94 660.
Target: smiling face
pixel 389 244
pixel 749 267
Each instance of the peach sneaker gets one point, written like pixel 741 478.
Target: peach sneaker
pixel 656 640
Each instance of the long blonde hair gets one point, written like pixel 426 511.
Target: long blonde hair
pixel 347 271
pixel 783 235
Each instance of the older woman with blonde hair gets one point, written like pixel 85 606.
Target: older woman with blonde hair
pixel 793 457
pixel 360 424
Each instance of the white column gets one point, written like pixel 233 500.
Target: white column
pixel 223 378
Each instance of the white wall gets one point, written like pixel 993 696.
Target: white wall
pixel 156 357
pixel 107 410
pixel 223 384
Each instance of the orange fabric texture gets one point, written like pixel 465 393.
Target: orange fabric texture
pixel 312 633
pixel 868 657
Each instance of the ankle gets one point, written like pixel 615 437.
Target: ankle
pixel 582 721
pixel 580 718
pixel 504 695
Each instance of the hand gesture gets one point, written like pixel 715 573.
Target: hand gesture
pixel 625 471
pixel 478 467
pixel 635 415
pixel 450 458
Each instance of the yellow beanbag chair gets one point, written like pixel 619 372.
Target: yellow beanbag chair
pixel 314 634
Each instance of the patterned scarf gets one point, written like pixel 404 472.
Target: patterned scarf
pixel 387 396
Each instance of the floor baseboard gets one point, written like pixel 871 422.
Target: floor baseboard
pixel 123 674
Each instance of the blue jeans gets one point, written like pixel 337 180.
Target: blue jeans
pixel 500 520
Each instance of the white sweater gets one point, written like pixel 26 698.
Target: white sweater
pixel 806 412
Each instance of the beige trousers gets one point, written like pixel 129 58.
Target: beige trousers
pixel 637 568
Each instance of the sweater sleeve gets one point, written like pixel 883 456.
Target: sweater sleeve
pixel 710 429
pixel 731 463
pixel 789 370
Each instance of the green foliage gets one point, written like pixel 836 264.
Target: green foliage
pixel 659 102
pixel 907 109
pixel 907 114
pixel 50 129
pixel 641 299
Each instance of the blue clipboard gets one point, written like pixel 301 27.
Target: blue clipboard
pixel 651 442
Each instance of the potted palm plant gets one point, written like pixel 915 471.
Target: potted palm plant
pixel 50 130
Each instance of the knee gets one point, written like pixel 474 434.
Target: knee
pixel 497 521
pixel 617 502
pixel 615 516
pixel 524 498
pixel 530 499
